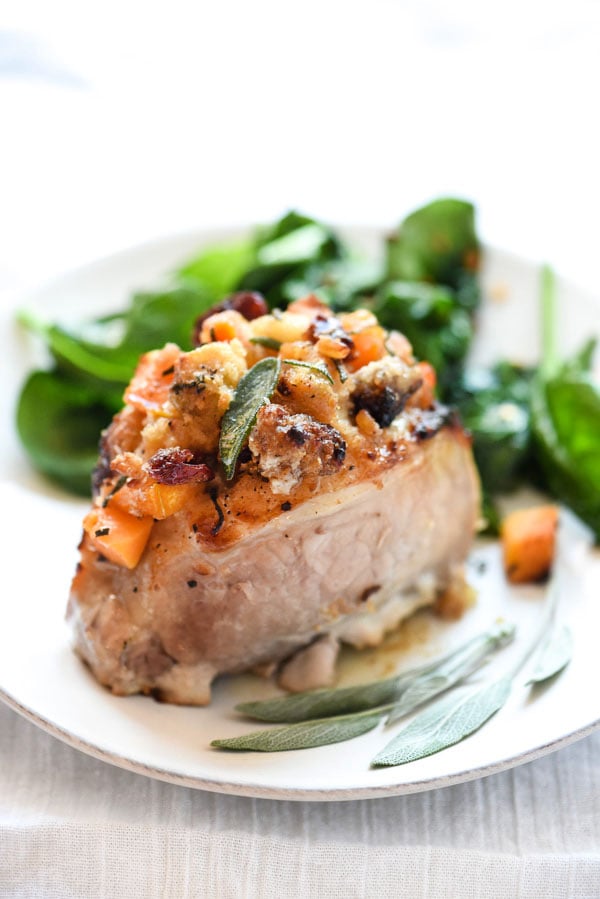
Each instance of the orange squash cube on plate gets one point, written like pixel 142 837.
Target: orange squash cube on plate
pixel 528 540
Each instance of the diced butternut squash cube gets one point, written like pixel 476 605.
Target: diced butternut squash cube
pixel 356 321
pixel 225 326
pixel 425 395
pixel 528 540
pixel 224 331
pixel 369 346
pixel 147 498
pixel 117 535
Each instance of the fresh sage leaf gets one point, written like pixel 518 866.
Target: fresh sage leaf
pixel 306 734
pixel 446 722
pixel 459 666
pixel 555 655
pixel 318 367
pixel 254 391
pixel 322 703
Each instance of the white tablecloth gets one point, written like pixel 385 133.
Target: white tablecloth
pixel 124 121
pixel 73 826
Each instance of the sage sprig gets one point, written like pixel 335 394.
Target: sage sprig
pixel 366 704
pixel 405 689
pixel 450 720
pixel 253 391
pixel 457 667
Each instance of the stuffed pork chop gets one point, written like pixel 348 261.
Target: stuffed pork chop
pixel 288 484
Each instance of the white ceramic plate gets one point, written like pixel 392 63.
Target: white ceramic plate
pixel 41 678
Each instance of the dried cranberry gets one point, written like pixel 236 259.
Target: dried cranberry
pixel 248 303
pixel 177 466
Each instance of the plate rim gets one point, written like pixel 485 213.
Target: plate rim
pixel 206 235
pixel 257 791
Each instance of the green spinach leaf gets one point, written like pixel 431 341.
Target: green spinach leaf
pixel 218 269
pixel 566 431
pixel 429 315
pixel 436 243
pixel 494 406
pixel 565 413
pixel 59 423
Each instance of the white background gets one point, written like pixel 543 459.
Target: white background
pixel 127 120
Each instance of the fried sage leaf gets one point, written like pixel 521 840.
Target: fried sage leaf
pixel 254 391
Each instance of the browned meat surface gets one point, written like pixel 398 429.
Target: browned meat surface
pixel 350 493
